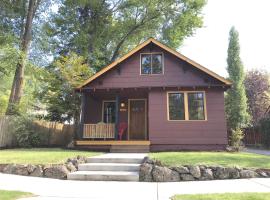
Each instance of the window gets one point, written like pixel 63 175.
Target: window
pixel 108 111
pixel 196 106
pixel 151 63
pixel 176 106
pixel 186 106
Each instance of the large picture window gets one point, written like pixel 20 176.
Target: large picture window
pixel 176 106
pixel 152 63
pixel 109 111
pixel 184 105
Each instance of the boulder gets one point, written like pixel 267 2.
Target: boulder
pixel 195 171
pixel 57 171
pixel 181 169
pixel 248 174
pixel 206 174
pixel 187 177
pixel 234 172
pixel 37 172
pixel 222 173
pixel 164 174
pixel 2 167
pixel 146 172
pixel 9 169
pixel 31 168
pixel 18 169
pixel 71 167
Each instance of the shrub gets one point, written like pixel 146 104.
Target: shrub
pixel 25 133
pixel 265 130
pixel 236 139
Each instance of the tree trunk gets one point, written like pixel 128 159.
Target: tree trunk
pixel 17 85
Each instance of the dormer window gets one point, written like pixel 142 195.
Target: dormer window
pixel 151 63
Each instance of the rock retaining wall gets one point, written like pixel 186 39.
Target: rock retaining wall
pixel 154 171
pixel 58 171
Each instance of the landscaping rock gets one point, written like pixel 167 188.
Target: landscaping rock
pixel 37 172
pixel 164 174
pixel 17 169
pixel 10 169
pixel 248 174
pixel 195 171
pixel 146 172
pixel 31 168
pixel 181 169
pixel 2 167
pixel 187 177
pixel 234 173
pixel 222 173
pixel 71 167
pixel 206 174
pixel 59 172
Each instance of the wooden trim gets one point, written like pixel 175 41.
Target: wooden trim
pixel 162 60
pixel 112 142
pixel 186 105
pixel 102 110
pixel 139 47
pixel 145 104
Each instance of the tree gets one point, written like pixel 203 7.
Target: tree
pixel 236 100
pixel 101 31
pixel 258 94
pixel 66 73
pixel 26 30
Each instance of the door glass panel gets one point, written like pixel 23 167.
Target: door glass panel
pixel 109 112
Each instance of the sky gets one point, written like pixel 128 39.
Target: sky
pixel 208 46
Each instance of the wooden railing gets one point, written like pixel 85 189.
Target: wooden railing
pixel 101 130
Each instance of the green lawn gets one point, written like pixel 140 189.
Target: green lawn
pixel 40 155
pixel 226 196
pixel 12 195
pixel 213 158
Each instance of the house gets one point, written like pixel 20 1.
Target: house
pixel 153 97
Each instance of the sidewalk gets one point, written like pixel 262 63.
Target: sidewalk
pixel 52 189
pixel 258 151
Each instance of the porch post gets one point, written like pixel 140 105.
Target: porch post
pixel 80 135
pixel 116 117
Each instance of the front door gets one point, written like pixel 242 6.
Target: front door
pixel 137 119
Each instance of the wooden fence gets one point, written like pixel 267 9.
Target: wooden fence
pixel 51 133
pixel 6 136
pixel 252 137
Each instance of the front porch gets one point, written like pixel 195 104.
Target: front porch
pixel 114 119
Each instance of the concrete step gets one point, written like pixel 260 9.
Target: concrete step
pixel 130 149
pixel 109 167
pixel 136 158
pixel 104 176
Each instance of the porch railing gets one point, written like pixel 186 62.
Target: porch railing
pixel 102 130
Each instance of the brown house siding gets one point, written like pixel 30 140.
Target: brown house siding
pixel 174 135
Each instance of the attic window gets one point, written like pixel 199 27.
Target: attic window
pixel 152 63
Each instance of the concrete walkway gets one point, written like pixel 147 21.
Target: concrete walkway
pixel 52 189
pixel 258 151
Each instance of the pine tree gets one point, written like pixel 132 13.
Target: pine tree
pixel 236 100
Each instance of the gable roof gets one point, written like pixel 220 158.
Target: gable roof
pixel 159 44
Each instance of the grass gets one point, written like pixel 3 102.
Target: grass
pixel 40 155
pixel 12 195
pixel 225 196
pixel 213 158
